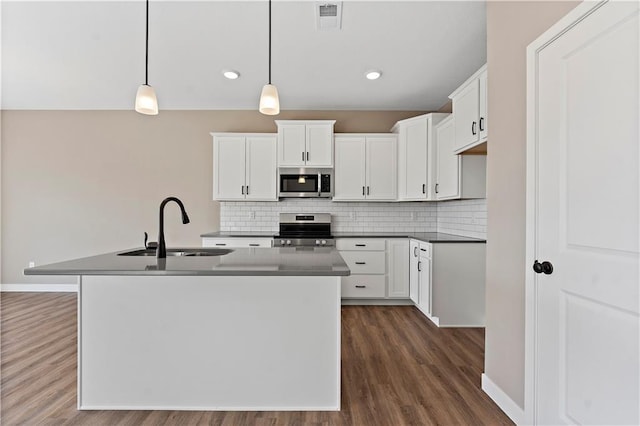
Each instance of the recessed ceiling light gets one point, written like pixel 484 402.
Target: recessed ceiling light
pixel 373 74
pixel 231 74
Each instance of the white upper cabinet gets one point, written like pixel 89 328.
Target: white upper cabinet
pixel 305 143
pixel 416 157
pixel 365 167
pixel 470 110
pixel 457 176
pixel 244 166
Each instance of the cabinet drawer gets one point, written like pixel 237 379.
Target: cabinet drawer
pixel 364 286
pixel 236 242
pixel 368 244
pixel 365 262
pixel 424 250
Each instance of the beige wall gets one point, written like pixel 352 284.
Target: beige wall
pixel 78 183
pixel 511 26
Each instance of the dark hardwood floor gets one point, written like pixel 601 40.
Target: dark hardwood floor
pixel 397 369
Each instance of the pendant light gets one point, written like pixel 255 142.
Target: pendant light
pixel 269 101
pixel 146 101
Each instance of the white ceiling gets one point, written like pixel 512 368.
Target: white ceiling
pixel 90 54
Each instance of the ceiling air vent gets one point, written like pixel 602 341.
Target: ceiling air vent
pixel 328 15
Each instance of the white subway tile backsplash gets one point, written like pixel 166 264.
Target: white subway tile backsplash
pixel 460 217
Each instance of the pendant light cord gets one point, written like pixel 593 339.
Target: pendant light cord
pixel 146 50
pixel 269 41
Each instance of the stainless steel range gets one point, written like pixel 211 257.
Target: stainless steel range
pixel 304 230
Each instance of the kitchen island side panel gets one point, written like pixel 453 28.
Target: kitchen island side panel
pixel 209 343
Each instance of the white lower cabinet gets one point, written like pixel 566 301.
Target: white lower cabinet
pixel 236 242
pixel 447 282
pixel 379 268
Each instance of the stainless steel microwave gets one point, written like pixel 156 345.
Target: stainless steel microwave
pixel 311 183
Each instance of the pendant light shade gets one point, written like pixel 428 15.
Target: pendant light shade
pixel 269 100
pixel 146 100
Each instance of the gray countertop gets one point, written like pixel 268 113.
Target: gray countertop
pixel 243 261
pixel 429 237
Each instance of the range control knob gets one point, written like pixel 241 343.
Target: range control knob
pixel 281 242
pixel 288 242
pixel 324 242
pixel 317 242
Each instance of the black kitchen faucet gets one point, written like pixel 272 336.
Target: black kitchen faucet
pixel 161 253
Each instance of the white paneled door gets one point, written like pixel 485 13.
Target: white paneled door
pixel 583 195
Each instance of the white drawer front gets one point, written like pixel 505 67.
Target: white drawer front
pixel 365 262
pixel 370 244
pixel 236 242
pixel 424 250
pixel 364 286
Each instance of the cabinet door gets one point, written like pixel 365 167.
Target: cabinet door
pixel 416 159
pixel 483 113
pixel 398 269
pixel 424 271
pixel 448 163
pixel 381 168
pixel 465 109
pixel 319 145
pixel 291 145
pixel 261 168
pixel 350 168
pixel 414 277
pixel 229 168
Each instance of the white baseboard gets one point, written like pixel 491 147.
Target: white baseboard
pixel 61 288
pixel 506 404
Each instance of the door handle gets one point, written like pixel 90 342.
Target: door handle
pixel 473 128
pixel 543 268
pixel 361 263
pixel 481 123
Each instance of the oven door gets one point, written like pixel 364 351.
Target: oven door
pixel 299 185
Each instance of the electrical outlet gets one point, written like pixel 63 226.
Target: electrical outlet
pixel 413 215
pixel 252 215
pixel 352 215
pixel 32 264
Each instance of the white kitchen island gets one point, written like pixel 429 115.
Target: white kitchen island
pixel 256 329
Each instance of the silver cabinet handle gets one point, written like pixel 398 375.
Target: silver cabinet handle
pixel 415 252
pixel 361 286
pixel 361 263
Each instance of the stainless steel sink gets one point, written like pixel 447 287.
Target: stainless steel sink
pixel 187 252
